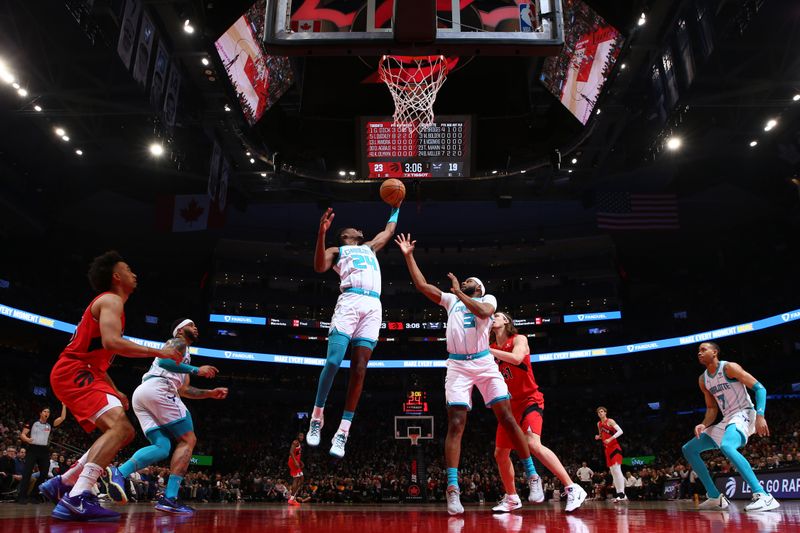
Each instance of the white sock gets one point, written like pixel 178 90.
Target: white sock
pixel 71 476
pixel 316 414
pixel 344 425
pixel 87 479
pixel 619 479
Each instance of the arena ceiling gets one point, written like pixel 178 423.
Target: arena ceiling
pixel 65 54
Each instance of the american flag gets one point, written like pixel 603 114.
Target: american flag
pixel 628 211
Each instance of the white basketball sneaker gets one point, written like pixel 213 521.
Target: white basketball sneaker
pixel 314 432
pixel 575 497
pixel 510 502
pixel 719 503
pixel 536 494
pixel 337 444
pixel 454 501
pixel 762 501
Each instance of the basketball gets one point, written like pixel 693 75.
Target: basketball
pixel 393 192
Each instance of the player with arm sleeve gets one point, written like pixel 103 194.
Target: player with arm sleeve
pixel 608 431
pixel 724 386
pixel 356 319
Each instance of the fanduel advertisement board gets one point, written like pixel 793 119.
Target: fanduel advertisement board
pixel 784 485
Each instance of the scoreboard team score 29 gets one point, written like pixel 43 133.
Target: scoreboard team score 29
pixel 441 151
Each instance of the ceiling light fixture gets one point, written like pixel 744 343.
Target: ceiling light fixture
pixel 753 144
pixel 60 132
pixel 156 149
pixel 673 143
pixel 37 108
pixel 187 26
pixel 79 151
pixel 771 123
pixel 205 61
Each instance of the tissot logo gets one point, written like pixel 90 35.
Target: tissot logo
pixel 580 317
pixel 630 347
pixel 730 487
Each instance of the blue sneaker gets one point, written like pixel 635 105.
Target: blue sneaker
pixel 116 485
pixel 53 489
pixel 172 505
pixel 84 507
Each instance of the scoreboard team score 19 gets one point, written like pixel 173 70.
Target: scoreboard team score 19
pixel 441 151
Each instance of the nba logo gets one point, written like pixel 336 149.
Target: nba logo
pixel 525 20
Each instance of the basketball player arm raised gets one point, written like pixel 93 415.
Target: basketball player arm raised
pixel 323 258
pixel 712 410
pixel 108 309
pixel 735 371
pixel 432 292
pixel 382 239
pixel 519 352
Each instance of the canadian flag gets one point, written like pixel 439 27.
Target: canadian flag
pixel 301 26
pixel 187 212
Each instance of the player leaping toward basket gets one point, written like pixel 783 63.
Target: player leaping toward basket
pixel 469 364
pixel 356 319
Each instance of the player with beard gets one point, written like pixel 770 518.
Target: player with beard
pixel 163 417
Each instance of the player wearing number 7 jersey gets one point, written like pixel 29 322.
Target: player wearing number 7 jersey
pixel 356 319
pixel 469 364
pixel 724 386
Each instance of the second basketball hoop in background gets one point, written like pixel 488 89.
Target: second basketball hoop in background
pixel 393 192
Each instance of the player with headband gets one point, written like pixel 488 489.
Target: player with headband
pixel 164 417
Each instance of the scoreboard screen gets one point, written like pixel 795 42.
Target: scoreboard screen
pixel 441 151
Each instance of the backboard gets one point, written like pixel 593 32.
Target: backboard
pixel 364 28
pixel 406 426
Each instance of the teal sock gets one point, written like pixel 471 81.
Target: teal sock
pixel 452 477
pixel 348 415
pixel 173 484
pixel 148 455
pixel 730 442
pixel 692 451
pixel 337 347
pixel 530 470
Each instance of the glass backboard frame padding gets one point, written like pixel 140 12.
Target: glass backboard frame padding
pixel 364 28
pixel 405 424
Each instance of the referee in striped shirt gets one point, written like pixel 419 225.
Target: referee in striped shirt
pixel 37 438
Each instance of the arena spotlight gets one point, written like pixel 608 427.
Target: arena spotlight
pixel 156 149
pixel 5 75
pixel 796 98
pixel 263 174
pixel 623 66
pixel 252 161
pixel 15 85
pixel 352 172
pixel 60 132
pixel 79 152
pixel 37 108
pixel 753 144
pixel 574 160
pixel 65 138
pixel 673 143
pixel 204 61
pixel 342 173
pixel 227 107
pixel 22 92
pixel 771 123
pixel 642 20
pixel 187 26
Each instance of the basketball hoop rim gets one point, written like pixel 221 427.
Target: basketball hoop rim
pixel 414 439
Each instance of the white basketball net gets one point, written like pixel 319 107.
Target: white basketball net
pixel 414 82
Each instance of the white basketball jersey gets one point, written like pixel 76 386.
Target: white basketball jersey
pixel 173 377
pixel 731 395
pixel 358 269
pixel 466 333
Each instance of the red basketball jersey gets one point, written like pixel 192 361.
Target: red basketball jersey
pixel 519 378
pixel 607 431
pixel 87 345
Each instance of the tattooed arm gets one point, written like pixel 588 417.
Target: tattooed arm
pixel 193 393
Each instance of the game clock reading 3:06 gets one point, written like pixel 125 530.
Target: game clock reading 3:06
pixel 441 151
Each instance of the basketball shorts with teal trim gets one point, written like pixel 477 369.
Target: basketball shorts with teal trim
pixel 157 404
pixel 745 422
pixel 357 316
pixel 482 373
